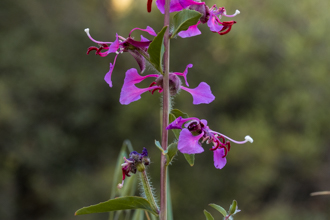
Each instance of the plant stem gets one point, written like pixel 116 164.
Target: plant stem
pixel 166 104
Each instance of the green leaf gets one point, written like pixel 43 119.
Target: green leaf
pixel 177 113
pixel 176 132
pixel 208 215
pixel 219 209
pixel 184 19
pixel 171 152
pixel 121 203
pixel 156 50
pixel 159 146
pixel 190 158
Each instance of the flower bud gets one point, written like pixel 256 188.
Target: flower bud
pixel 174 83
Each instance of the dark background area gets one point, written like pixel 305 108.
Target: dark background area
pixel 61 126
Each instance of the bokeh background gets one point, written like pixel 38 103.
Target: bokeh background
pixel 61 126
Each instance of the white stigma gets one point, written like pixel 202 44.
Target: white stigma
pixel 87 31
pixel 237 12
pixel 249 139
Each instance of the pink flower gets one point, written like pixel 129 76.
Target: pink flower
pixel 120 45
pixel 130 93
pixel 211 16
pixel 196 131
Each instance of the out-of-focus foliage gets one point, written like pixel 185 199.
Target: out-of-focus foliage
pixel 61 126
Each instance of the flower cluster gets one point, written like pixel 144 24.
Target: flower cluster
pixel 136 48
pixel 130 93
pixel 196 131
pixel 135 162
pixel 211 16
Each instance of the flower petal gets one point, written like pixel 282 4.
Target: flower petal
pixel 178 122
pixel 129 92
pixel 190 32
pixel 201 94
pixel 184 74
pixel 189 144
pixel 214 24
pixel 219 160
pixel 175 5
pixel 187 3
pixel 139 59
pixel 107 76
pixel 114 46
pixel 149 30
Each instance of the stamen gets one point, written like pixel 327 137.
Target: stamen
pixel 233 15
pixel 160 89
pixel 226 152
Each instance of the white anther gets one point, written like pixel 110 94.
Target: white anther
pixel 120 185
pixel 117 52
pixel 249 139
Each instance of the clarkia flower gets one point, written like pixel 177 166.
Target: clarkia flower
pixel 130 93
pixel 135 162
pixel 195 132
pixel 211 16
pixel 120 45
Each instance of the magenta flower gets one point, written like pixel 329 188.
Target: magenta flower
pixel 120 45
pixel 130 93
pixel 195 132
pixel 211 16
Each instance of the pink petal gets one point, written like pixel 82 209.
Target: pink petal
pixel 190 32
pixel 149 30
pixel 201 94
pixel 174 6
pixel 143 39
pixel 214 24
pixel 178 122
pixel 219 160
pixel 189 144
pixel 184 74
pixel 107 76
pixel 114 46
pixel 129 92
pixel 187 3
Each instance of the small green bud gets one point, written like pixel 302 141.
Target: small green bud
pixel 140 167
pixel 233 208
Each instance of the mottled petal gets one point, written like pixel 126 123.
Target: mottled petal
pixel 107 76
pixel 219 160
pixel 190 32
pixel 149 30
pixel 204 122
pixel 184 74
pixel 201 94
pixel 178 122
pixel 214 24
pixel 189 144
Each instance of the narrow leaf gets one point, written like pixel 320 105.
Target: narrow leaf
pixel 190 158
pixel 184 19
pixel 208 215
pixel 219 209
pixel 171 152
pixel 156 50
pixel 121 203
pixel 177 113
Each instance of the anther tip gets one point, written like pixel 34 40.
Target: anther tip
pixel 120 185
pixel 237 12
pixel 249 139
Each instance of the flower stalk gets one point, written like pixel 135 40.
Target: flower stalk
pixel 166 106
pixel 148 190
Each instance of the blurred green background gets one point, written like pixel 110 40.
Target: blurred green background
pixel 61 126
